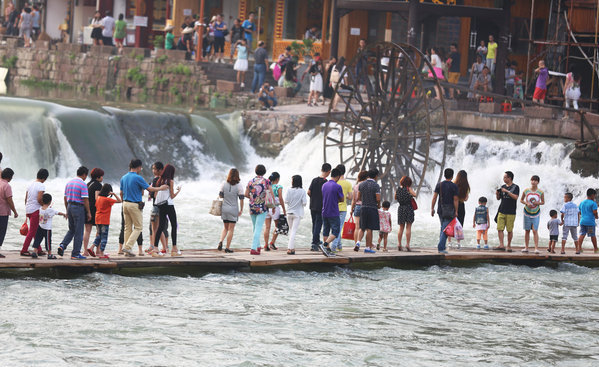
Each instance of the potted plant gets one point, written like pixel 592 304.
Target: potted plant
pixel 159 41
pixel 303 49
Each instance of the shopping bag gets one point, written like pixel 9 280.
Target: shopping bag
pixel 450 229
pixel 282 226
pixel 24 228
pixel 217 207
pixel 414 204
pixel 458 231
pixel 349 229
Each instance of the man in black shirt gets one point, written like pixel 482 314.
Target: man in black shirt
pixel 506 216
pixel 315 194
pixel 447 209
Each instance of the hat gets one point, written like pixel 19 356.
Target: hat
pixel 187 30
pixel 169 27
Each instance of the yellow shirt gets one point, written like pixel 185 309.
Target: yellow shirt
pixel 346 186
pixel 491 50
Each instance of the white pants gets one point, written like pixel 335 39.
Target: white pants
pixel 293 221
pixel 572 94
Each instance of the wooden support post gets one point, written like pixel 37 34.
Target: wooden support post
pixel 200 31
pixel 532 9
pixel 335 31
pixel 388 31
pixel 501 59
pixel 142 34
pixel 413 23
pixel 323 31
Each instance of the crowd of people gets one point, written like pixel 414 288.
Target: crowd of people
pixel 330 199
pixel 24 23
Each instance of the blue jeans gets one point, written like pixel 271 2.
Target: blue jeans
pixel 76 216
pixel 443 236
pixel 259 73
pixel 102 236
pixel 269 101
pixel 337 241
pixel 316 226
pixel 257 223
pixel 331 225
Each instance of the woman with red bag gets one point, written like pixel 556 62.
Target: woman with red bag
pixel 405 212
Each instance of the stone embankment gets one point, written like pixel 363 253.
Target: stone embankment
pixel 135 76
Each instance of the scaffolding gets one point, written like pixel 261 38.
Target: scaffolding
pixel 554 45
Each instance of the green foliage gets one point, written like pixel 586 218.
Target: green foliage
pixel 92 89
pixel 174 91
pixel 72 56
pixel 180 69
pixel 9 62
pixel 302 49
pixel 135 75
pixel 159 41
pixel 143 96
pixel 161 59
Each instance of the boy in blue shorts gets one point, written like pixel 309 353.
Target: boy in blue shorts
pixel 588 214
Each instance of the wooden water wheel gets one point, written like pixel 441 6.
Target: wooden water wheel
pixel 383 118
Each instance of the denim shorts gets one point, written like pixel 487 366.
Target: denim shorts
pixel 587 230
pixel 357 210
pixel 331 225
pixel 531 222
pixel 571 230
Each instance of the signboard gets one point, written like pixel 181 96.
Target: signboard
pixel 354 31
pixel 187 12
pixel 140 21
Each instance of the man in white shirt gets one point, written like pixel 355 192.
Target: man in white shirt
pixel 107 29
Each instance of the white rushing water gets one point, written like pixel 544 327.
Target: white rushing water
pixel 484 315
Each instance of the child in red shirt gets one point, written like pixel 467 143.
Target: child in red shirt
pixel 103 208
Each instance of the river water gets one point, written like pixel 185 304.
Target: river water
pixel 482 315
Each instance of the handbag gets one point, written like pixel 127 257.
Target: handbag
pixel 217 208
pixel 282 226
pixel 225 32
pixel 270 200
pixel 349 228
pixel 414 204
pixel 162 197
pixel 449 230
pixel 24 228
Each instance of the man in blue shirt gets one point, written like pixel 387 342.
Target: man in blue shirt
pixel 132 188
pixel 588 214
pixel 248 28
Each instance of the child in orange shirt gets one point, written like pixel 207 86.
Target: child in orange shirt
pixel 103 208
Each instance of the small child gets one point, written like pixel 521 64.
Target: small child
pixel 385 225
pixel 570 219
pixel 480 221
pixel 44 231
pixel 241 64
pixel 103 208
pixel 588 214
pixel 541 86
pixel 553 227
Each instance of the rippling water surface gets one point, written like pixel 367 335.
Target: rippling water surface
pixel 487 315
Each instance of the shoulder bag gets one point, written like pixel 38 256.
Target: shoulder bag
pixel 217 208
pixel 162 197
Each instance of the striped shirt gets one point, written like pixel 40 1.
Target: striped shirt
pixel 76 191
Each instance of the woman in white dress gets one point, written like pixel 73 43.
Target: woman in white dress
pixel 315 81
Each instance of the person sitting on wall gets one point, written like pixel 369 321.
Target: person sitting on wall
pixel 267 97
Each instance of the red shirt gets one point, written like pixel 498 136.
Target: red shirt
pixel 103 208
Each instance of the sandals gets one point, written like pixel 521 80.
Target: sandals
pixel 399 248
pixel 51 257
pixel 220 246
pixel 266 248
pixel 91 252
pixel 378 246
pixel 42 253
pixel 26 253
pixel 175 254
pixel 228 251
pixel 273 247
pixel 408 249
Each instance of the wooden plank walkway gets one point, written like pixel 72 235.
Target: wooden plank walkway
pixel 213 260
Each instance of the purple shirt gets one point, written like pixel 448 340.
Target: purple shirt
pixel 331 193
pixel 76 191
pixel 542 78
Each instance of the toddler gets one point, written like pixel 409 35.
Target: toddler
pixel 553 227
pixel 570 218
pixel 385 225
pixel 480 221
pixel 103 208
pixel 44 230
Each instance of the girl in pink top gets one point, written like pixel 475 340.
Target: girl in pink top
pixel 385 225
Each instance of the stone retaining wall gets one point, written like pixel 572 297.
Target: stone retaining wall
pixel 134 76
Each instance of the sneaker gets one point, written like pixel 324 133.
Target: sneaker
pixel 524 251
pixel 314 248
pixel 478 247
pixel 60 251
pixel 443 252
pixel 459 246
pixel 369 251
pixel 34 254
pixel 537 252
pixel 357 247
pixel 254 252
pixel 80 257
pixel 128 253
pixel 325 250
pixel 486 247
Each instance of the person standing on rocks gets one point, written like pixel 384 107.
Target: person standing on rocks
pixel 260 66
pixel 77 204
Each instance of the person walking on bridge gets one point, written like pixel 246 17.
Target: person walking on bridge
pixel 76 200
